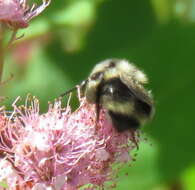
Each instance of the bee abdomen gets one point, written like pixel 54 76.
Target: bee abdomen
pixel 123 122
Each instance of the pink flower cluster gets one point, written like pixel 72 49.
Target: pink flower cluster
pixel 17 13
pixel 60 150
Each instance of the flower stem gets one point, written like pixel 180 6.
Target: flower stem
pixel 13 38
pixel 1 50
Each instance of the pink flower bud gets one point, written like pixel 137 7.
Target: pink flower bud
pixel 17 13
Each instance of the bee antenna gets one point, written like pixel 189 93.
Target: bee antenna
pixel 68 92
pixel 74 88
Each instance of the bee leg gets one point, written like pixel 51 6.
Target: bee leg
pixel 133 138
pixel 97 110
pixel 97 103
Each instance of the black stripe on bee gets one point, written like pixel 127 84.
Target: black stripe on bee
pixel 143 107
pixel 123 122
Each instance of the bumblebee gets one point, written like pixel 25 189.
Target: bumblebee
pixel 118 86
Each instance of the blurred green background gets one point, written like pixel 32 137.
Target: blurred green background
pixel 61 46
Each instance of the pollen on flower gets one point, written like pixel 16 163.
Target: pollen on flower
pixel 60 149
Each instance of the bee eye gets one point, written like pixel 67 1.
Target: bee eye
pixel 96 76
